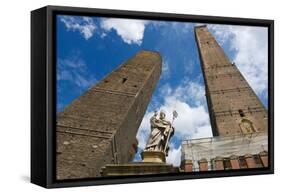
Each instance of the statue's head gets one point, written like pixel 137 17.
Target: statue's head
pixel 162 114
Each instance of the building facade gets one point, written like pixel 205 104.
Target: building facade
pixel 238 118
pixel 100 127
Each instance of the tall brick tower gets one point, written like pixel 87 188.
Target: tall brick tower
pixel 238 118
pixel 100 127
pixel 233 105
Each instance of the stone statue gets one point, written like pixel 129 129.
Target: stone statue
pixel 161 132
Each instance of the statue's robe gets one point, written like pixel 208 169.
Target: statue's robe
pixel 158 136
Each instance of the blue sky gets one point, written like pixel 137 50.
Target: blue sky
pixel 88 48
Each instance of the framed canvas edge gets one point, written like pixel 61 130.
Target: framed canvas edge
pixel 49 129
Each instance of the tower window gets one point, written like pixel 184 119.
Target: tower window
pixel 124 80
pixel 241 113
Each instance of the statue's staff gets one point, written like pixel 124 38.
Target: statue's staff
pixel 175 115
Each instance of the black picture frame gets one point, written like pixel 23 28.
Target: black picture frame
pixel 43 94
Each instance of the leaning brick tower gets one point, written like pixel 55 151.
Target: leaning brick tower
pixel 234 107
pixel 100 127
pixel 239 120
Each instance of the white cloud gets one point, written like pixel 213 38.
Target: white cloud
pixel 130 30
pixel 178 27
pixel 165 70
pixel 250 45
pixel 103 35
pixel 192 92
pixel 174 155
pixel 182 27
pixel 192 121
pixel 84 25
pixel 74 70
pixel 165 90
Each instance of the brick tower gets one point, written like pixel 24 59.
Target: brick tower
pixel 238 118
pixel 233 106
pixel 100 127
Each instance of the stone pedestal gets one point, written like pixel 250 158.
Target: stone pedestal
pixel 153 156
pixel 219 163
pixel 138 168
pixel 203 164
pixel 264 158
pixel 234 162
pixel 153 162
pixel 250 161
pixel 187 165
